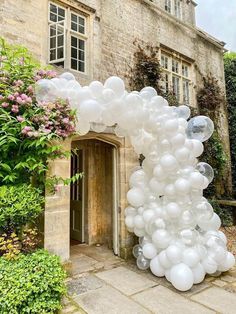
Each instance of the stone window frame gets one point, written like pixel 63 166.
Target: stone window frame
pixel 66 24
pixel 174 7
pixel 177 75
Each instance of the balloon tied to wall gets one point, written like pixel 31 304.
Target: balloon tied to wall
pixel 178 231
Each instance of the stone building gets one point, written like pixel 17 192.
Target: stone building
pixel 94 39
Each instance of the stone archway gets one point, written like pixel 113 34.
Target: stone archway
pixel 57 223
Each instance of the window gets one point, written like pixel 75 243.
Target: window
pixel 186 97
pixel 185 70
pixel 175 85
pixel 177 8
pixel 168 6
pixel 175 80
pixel 174 7
pixel 165 62
pixel 67 38
pixel 175 66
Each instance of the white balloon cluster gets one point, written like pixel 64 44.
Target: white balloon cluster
pixel 178 231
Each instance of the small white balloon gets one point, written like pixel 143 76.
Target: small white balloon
pixel 149 250
pixel 156 267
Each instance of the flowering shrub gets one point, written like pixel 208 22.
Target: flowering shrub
pixel 29 283
pixel 28 128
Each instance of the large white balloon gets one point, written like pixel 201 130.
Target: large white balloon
pixel 178 231
pixel 181 277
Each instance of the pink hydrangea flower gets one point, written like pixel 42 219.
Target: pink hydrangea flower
pixel 30 89
pixel 11 97
pixel 20 118
pixel 18 83
pixel 26 129
pixel 15 108
pixel 65 120
pixel 23 96
pixel 5 104
pixel 19 100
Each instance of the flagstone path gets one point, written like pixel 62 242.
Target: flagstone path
pixel 102 283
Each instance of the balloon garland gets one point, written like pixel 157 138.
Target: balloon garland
pixel 178 231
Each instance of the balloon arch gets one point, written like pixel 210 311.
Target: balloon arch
pixel 178 231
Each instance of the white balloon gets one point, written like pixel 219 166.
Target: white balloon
pixel 213 224
pixel 156 267
pixel 156 186
pixel 161 238
pixel 67 76
pixel 182 154
pixel 198 273
pixel 171 125
pixel 174 254
pixel 173 210
pixel 228 263
pixel 198 148
pixel 149 250
pixel 168 162
pixel 82 127
pixel 116 84
pixel 138 179
pixel 90 110
pixel 164 261
pixel 136 197
pixel 196 180
pixel 178 140
pixel 129 221
pixel 182 186
pixel 209 265
pixel 138 222
pixel 191 257
pixel 181 277
pixel 96 88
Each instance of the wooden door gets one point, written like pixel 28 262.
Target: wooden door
pixel 77 198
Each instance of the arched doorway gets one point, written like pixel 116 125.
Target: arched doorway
pixel 93 199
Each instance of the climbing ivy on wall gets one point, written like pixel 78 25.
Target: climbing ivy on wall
pixel 230 79
pixel 146 71
pixel 210 98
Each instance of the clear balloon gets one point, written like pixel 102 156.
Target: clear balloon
pixel 137 250
pixel 142 262
pixel 200 128
pixel 206 170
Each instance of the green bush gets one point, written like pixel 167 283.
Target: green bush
pixel 19 205
pixel 34 283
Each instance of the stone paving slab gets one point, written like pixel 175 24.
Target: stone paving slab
pixel 107 300
pixel 82 264
pixel 84 284
pixel 161 300
pixel 217 299
pixel 125 280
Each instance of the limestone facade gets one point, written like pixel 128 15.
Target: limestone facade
pixel 109 29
